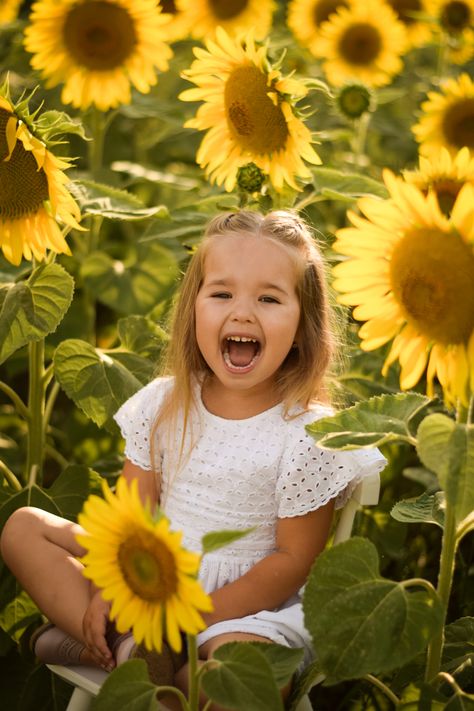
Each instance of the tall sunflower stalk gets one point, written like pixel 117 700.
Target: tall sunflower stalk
pixel 150 579
pixel 396 278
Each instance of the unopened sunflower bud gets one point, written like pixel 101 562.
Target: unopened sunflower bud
pixel 250 178
pixel 353 100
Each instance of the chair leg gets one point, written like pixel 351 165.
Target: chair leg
pixel 80 700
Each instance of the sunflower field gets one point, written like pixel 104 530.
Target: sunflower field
pixel 125 125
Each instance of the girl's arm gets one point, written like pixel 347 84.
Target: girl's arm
pixel 147 486
pixel 279 575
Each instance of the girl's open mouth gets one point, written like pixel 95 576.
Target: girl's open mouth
pixel 240 352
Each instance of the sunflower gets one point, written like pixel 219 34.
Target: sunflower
pixel 305 18
pixel 414 15
pixel 234 16
pixel 411 278
pixel 139 564
pixel 248 113
pixel 443 175
pixel 448 117
pixel 177 22
pixel 32 191
pixel 364 41
pixel 98 48
pixel 455 24
pixel 9 10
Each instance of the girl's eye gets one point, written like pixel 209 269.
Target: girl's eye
pixel 221 295
pixel 269 300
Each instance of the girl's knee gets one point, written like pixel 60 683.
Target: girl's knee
pixel 18 529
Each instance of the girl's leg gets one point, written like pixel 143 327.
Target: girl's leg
pixel 40 549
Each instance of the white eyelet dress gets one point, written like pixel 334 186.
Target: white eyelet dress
pixel 241 474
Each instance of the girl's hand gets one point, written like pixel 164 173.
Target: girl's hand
pixel 94 625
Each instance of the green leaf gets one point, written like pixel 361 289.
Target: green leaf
pixel 284 661
pixel 127 687
pixel 54 123
pixel 135 286
pixel 371 423
pixel 336 184
pixel 303 683
pixel 360 622
pixel 142 335
pixel 29 496
pixel 458 651
pixel 18 614
pixel 101 199
pixel 72 487
pixel 218 539
pixel 34 308
pixel 242 680
pixel 447 448
pixel 427 508
pixel 95 381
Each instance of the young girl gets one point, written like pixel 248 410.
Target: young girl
pixel 222 444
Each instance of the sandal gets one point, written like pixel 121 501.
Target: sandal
pixel 53 646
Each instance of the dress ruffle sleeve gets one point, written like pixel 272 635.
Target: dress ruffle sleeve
pixel 135 419
pixel 311 476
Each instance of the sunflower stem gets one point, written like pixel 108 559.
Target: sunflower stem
pixel 193 697
pixel 359 139
pixel 383 687
pixel 36 407
pixel 16 399
pixel 445 580
pixel 97 127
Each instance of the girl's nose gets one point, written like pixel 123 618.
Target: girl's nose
pixel 242 311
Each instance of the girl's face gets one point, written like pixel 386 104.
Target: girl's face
pixel 247 311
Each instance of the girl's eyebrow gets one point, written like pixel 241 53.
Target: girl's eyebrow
pixel 265 285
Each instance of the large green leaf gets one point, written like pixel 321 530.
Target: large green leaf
pixel 427 508
pixel 447 448
pixel 217 539
pixel 29 496
pixel 458 650
pixel 72 487
pixel 336 184
pixel 142 335
pixel 382 419
pixel 31 309
pixel 94 380
pixel 127 687
pixel 106 201
pixel 242 680
pixel 18 614
pixel 360 622
pixel 134 286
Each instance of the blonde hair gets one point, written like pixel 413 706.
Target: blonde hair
pixel 300 380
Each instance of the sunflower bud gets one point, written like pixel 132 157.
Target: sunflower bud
pixel 250 178
pixel 353 100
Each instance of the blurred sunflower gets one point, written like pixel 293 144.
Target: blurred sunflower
pixel 443 175
pixel 9 10
pixel 98 48
pixel 248 114
pixel 234 16
pixel 364 41
pixel 411 279
pixel 177 23
pixel 414 15
pixel 305 18
pixel 455 22
pixel 32 190
pixel 141 567
pixel 448 117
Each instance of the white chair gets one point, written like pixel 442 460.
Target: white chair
pixel 88 680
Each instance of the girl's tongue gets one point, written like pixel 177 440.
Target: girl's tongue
pixel 241 353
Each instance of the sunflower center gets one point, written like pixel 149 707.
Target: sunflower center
pixel 227 9
pixel 405 8
pixel 360 44
pixel 458 123
pixel 325 8
pixel 256 124
pixel 432 277
pixel 148 567
pixel 455 17
pixel 24 187
pixel 99 35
